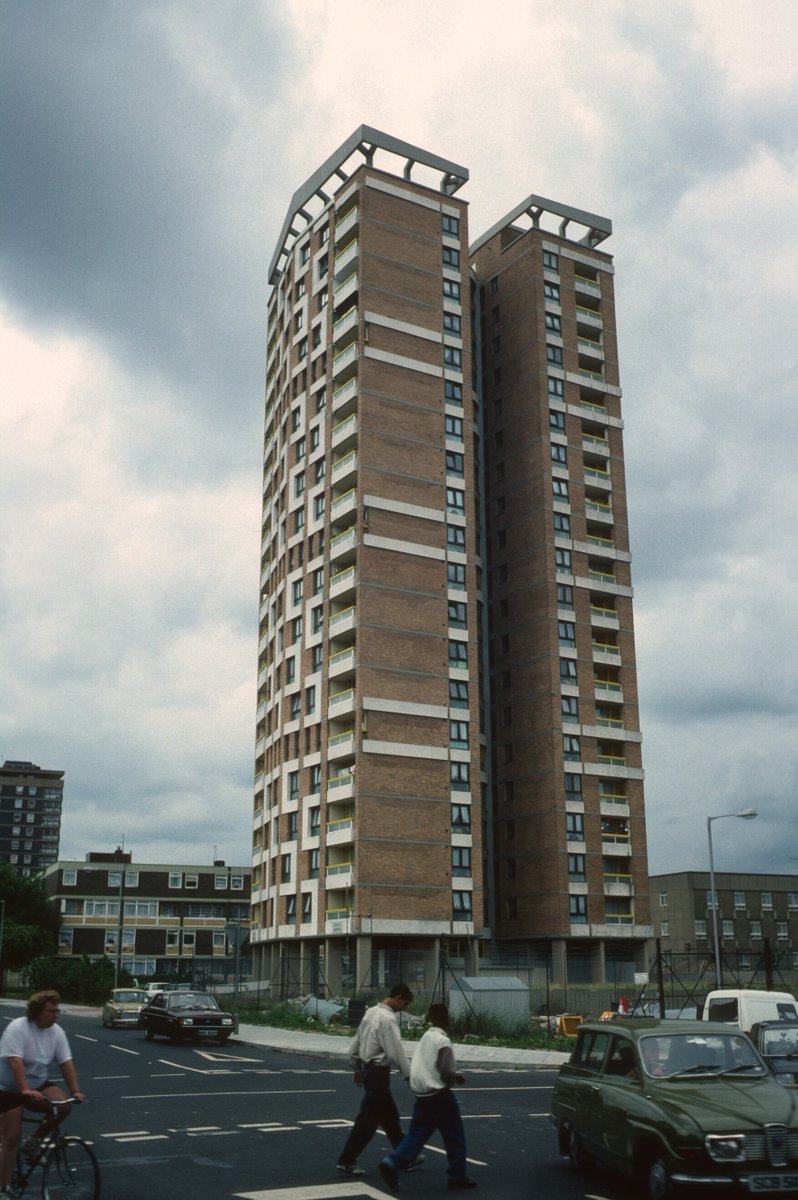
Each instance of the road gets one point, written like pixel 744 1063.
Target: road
pixel 196 1121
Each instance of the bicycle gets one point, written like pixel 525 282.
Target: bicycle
pixel 69 1167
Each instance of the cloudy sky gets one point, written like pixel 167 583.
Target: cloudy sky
pixel 150 151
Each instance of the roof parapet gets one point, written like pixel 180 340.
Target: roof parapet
pixel 366 141
pixel 534 207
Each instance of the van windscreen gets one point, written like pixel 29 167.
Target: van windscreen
pixel 724 1010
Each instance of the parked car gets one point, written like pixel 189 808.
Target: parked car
pixel 180 1014
pixel 673 1103
pixel 743 1007
pixel 777 1042
pixel 123 1007
pixel 155 986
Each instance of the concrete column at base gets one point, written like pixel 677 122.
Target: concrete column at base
pixel 333 952
pixel 471 960
pixel 432 970
pixel 598 968
pixel 559 962
pixel 363 949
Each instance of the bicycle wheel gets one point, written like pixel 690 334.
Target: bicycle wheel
pixel 71 1172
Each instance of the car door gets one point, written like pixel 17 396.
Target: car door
pixel 588 1096
pixel 621 1094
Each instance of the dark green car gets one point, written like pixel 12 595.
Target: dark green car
pixel 676 1103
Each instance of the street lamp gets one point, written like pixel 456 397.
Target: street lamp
pixel 747 814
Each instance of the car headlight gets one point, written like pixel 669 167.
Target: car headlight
pixel 227 1020
pixel 786 1078
pixel 119 1011
pixel 186 1020
pixel 726 1147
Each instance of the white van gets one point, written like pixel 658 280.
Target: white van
pixel 743 1007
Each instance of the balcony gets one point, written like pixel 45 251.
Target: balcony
pixel 344 434
pixel 605 651
pixel 345 224
pixel 586 287
pixel 588 316
pixel 342 621
pixel 343 584
pixel 590 348
pixel 347 324
pixel 339 831
pixel 342 661
pixel 346 261
pixel 341 786
pixel 341 704
pixel 346 288
pixel 344 470
pixel 598 509
pixel 344 505
pixel 343 546
pixel 344 365
pixel 598 476
pixel 343 397
pixel 341 744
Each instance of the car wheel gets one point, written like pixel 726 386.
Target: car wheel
pixel 105 1023
pixel 580 1159
pixel 563 1140
pixel 149 1032
pixel 659 1181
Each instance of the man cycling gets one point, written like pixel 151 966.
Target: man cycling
pixel 27 1048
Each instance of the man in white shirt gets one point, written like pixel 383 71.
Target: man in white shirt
pixel 27 1048
pixel 376 1046
pixel 432 1074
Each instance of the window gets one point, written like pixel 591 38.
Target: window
pixel 220 883
pixel 285 868
pixel 557 420
pixel 494 285
pixel 293 785
pixel 565 595
pixel 317 618
pixel 290 910
pixel 556 389
pixel 457 614
pixel 739 899
pixel 551 261
pixel 314 864
pixel 458 693
pixel 290 669
pixel 451 289
pixel 576 868
pixel 573 786
pixel 310 699
pixel 453 357
pixel 307 908
pixel 554 355
pixel 461 906
pixel 459 776
pixel 663 899
pixel 296 629
pixel 700 929
pixel 318 507
pixel 562 559
pixel 559 489
pixel 767 899
pixel 577 910
pixel 316 658
pixel 295 707
pixel 574 827
pixel 567 669
pixel 452 323
pixel 315 821
pixel 458 734
pixel 456 575
pixel 461 818
pixel 553 323
pixel 237 883
pixel 458 653
pixel 570 709
pixel 296 591
pixel 453 392
pixel 455 500
pixel 727 929
pixel 552 292
pixel 455 537
pixel 175 879
pixel 292 826
pixel 450 225
pixel 566 632
pixel 756 929
pixel 320 469
pixel 455 463
pixel 559 454
pixel 69 878
pixel 461 860
pixel 451 257
pixel 454 428
pixel 570 748
pixel 781 929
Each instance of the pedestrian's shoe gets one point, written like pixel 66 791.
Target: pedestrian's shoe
pixel 417 1163
pixel 389 1174
pixel 350 1169
pixel 461 1183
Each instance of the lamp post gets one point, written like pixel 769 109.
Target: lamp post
pixel 747 814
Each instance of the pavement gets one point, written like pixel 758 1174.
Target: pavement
pixel 330 1045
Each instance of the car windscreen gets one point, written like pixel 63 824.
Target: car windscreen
pixel 676 1055
pixel 129 997
pixel 192 1000
pixel 780 1040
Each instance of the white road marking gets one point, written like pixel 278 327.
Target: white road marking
pixel 325 1191
pixel 146 1137
pixel 125 1050
pixel 126 1133
pixel 224 1057
pixel 83 1038
pixel 239 1092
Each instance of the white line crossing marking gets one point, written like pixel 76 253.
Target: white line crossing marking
pixel 125 1050
pixel 126 1133
pixel 83 1037
pixel 323 1192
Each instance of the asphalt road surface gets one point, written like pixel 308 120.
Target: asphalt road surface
pixel 190 1122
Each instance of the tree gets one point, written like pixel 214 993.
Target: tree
pixel 78 980
pixel 30 919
